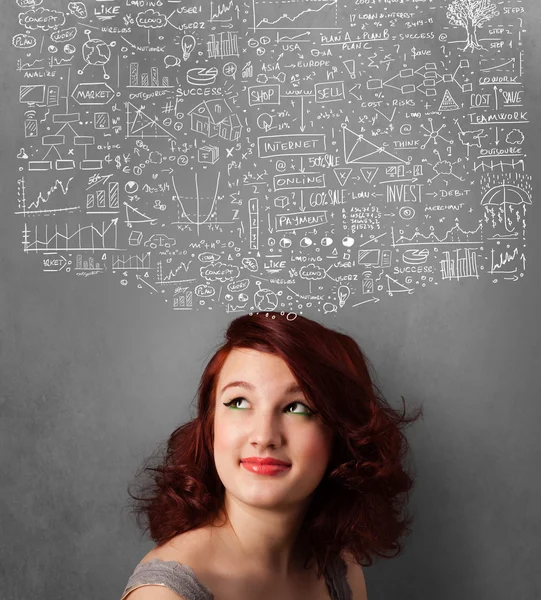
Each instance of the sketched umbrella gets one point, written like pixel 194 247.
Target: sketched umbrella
pixel 504 194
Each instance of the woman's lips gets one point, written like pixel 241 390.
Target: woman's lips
pixel 268 460
pixel 265 469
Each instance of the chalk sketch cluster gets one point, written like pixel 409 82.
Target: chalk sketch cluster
pixel 268 154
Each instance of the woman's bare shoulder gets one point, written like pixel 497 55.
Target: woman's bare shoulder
pixel 355 577
pixel 183 548
pixel 153 592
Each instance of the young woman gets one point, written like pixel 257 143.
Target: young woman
pixel 291 475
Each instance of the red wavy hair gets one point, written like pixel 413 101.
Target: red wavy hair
pixel 359 507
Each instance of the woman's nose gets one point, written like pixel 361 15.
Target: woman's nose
pixel 267 430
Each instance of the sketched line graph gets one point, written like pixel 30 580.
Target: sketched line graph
pixel 35 207
pixel 133 262
pixel 503 264
pixel 89 237
pixel 210 219
pixel 455 235
pixel 294 14
pixel 172 276
pixel 223 9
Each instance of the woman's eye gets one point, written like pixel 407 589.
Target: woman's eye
pixel 307 411
pixel 232 403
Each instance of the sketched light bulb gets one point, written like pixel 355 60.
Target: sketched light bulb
pixel 343 294
pixel 187 44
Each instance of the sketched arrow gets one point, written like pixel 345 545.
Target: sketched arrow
pixel 365 301
pixel 357 93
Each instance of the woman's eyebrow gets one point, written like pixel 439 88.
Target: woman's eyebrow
pixel 293 388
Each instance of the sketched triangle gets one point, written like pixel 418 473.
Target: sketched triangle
pixel 351 139
pixel 145 122
pixel 379 156
pixel 343 175
pixel 359 150
pixel 397 287
pixel 138 213
pixel 369 173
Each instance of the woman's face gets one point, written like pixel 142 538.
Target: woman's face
pixel 264 421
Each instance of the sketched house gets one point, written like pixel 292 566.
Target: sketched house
pixel 214 117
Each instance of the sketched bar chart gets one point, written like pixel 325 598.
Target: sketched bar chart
pixel 143 79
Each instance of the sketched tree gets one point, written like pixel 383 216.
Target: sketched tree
pixel 471 14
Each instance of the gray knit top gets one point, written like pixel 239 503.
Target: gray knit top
pixel 182 580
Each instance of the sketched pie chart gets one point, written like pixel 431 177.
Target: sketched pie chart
pixel 415 257
pixel 202 76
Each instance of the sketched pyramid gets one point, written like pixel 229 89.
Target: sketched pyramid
pixel 448 102
pixel 358 150
pixel 141 125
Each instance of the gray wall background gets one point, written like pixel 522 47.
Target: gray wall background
pixel 94 377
